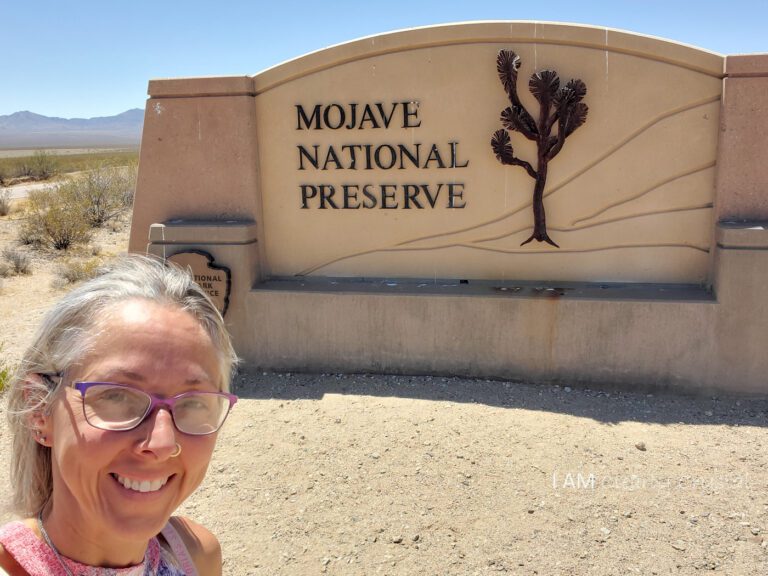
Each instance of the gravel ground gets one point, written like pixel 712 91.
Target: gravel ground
pixel 355 474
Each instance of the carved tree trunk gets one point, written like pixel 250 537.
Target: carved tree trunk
pixel 539 216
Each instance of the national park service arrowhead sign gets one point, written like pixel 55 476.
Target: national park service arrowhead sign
pixel 215 280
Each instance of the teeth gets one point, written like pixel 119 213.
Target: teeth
pixel 141 485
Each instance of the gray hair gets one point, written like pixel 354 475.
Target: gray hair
pixel 64 338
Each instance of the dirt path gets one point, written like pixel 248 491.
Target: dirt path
pixel 359 475
pixel 19 191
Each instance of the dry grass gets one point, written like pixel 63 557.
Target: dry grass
pixel 72 271
pixel 41 166
pixel 17 262
pixel 5 202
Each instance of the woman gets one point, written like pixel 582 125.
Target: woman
pixel 114 415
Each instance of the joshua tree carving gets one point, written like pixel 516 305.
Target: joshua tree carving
pixel 561 106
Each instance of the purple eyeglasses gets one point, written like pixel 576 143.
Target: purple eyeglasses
pixel 118 407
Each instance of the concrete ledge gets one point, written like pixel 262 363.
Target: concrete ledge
pixel 190 87
pixel 742 235
pixel 203 232
pixel 746 65
pixel 494 289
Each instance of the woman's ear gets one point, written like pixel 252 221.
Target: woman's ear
pixel 39 418
pixel 40 428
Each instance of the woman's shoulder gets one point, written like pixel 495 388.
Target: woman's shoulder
pixel 8 564
pixel 18 537
pixel 202 545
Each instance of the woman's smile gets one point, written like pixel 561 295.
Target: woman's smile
pixel 141 485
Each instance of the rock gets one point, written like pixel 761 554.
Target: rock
pixel 640 446
pixel 397 540
pixel 679 545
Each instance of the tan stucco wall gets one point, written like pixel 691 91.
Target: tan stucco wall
pixel 629 198
pixel 198 155
pixel 742 180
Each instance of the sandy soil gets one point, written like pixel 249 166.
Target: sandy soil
pixel 364 474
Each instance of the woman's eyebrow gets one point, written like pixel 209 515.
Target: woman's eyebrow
pixel 124 374
pixel 191 382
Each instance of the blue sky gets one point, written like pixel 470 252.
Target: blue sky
pixel 93 58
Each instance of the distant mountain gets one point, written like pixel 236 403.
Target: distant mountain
pixel 29 130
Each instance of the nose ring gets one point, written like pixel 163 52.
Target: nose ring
pixel 177 451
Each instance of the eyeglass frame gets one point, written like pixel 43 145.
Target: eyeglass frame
pixel 155 402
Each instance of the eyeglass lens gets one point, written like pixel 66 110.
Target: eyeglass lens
pixel 114 407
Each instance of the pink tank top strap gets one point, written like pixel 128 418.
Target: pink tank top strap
pixel 29 551
pixel 179 549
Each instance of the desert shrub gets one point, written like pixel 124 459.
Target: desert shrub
pixel 101 195
pixel 5 202
pixel 24 168
pixel 56 219
pixel 18 261
pixel 130 173
pixel 28 235
pixel 71 271
pixel 5 270
pixel 40 166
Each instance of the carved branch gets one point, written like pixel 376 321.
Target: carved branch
pixel 507 65
pixel 502 148
pixel 573 92
pixel 554 145
pixel 553 118
pixel 517 118
pixel 544 85
pixel 577 115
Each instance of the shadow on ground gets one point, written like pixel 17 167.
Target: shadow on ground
pixel 609 406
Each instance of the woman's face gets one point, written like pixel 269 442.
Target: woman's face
pixel 159 349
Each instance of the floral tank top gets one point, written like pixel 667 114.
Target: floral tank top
pixel 38 559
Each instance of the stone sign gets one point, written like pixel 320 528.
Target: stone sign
pixel 402 203
pixel 381 166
